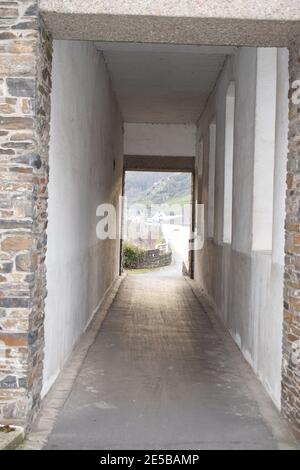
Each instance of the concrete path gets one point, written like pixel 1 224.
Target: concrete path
pixel 173 270
pixel 160 376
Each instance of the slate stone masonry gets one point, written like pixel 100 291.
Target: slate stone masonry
pixel 25 85
pixel 153 259
pixel 291 325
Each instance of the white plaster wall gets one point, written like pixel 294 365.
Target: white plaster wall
pixel 228 162
pixel 246 285
pixel 211 179
pixel 245 77
pixel 281 149
pixel 86 136
pixel 264 152
pixel 160 139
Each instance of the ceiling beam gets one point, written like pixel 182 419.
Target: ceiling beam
pixel 151 163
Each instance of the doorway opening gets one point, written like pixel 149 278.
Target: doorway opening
pixel 157 223
pixel 170 111
pixel 176 111
pixel 226 107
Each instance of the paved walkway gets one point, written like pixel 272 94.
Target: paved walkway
pixel 160 376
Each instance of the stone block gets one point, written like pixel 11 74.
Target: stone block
pixel 14 340
pixel 7 107
pixel 21 87
pixel 16 243
pixel 9 11
pixel 17 65
pixel 16 123
pixel 5 35
pixel 6 267
pixel 26 262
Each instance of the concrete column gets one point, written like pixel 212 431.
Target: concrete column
pixel 211 179
pixel 291 324
pixel 228 163
pixel 25 83
pixel 281 150
pixel 264 150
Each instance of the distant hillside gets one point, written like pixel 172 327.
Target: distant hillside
pixel 158 188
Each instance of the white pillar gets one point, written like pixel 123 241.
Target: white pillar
pixel 264 154
pixel 281 151
pixel 211 179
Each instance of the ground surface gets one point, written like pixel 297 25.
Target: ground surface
pixel 159 376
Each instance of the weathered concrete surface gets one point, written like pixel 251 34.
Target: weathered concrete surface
pixel 188 22
pixel 159 83
pixel 160 139
pixel 254 9
pixel 160 376
pixel 74 250
pixel 60 391
pixel 245 277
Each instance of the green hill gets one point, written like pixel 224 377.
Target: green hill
pixel 158 188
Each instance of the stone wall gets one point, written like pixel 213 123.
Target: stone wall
pixel 25 84
pixel 151 259
pixel 291 334
pixel 154 259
